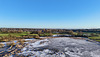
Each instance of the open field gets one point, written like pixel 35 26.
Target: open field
pixel 16 34
pixel 3 34
pixel 95 38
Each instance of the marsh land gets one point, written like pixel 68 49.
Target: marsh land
pixel 21 42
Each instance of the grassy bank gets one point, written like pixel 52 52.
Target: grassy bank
pixel 95 38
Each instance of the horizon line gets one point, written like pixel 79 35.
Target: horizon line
pixel 48 28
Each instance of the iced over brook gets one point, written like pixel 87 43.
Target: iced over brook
pixel 61 47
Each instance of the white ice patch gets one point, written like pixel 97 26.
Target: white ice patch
pixel 44 53
pixel 29 39
pixel 62 47
pixel 95 53
pixel 39 43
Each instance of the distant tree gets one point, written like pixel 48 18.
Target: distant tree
pixel 39 32
pixel 79 33
pixel 71 32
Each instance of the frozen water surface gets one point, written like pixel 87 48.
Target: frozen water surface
pixel 61 47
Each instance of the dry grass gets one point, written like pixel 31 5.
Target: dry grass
pixel 1 45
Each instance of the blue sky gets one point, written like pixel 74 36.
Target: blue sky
pixel 50 13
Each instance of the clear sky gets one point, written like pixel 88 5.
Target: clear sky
pixel 50 13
